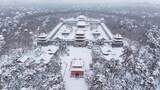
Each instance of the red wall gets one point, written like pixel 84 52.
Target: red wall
pixel 75 73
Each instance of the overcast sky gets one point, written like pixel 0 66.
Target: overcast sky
pixel 79 1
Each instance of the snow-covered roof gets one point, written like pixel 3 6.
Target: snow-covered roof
pixel 96 32
pixel 81 17
pixel 24 58
pixel 110 52
pixel 119 36
pixel 49 49
pixel 66 31
pixel 77 63
pixel 81 23
pixel 26 30
pixel 42 35
pixel 4 30
pixel 77 69
pixel 45 54
pixel 1 37
pixel 101 28
pixel 80 32
pixel 81 40
pixel 107 31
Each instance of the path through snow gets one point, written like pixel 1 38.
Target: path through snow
pixel 75 52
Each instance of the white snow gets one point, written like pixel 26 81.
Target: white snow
pixel 42 35
pixel 66 37
pixel 80 32
pixel 41 53
pixel 87 31
pixel 81 17
pixel 112 52
pixel 23 59
pixel 66 32
pixel 75 52
pixel 1 38
pixel 81 23
pixel 78 63
pixel 54 31
pixel 105 28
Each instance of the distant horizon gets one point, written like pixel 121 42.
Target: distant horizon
pixel 78 1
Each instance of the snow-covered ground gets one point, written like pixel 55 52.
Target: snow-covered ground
pixel 75 52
